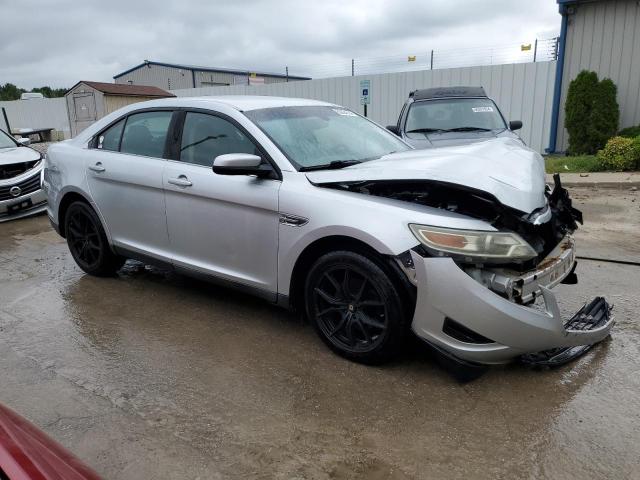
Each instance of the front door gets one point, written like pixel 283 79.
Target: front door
pixel 222 225
pixel 124 172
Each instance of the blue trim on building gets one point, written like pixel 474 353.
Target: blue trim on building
pixel 195 68
pixel 557 88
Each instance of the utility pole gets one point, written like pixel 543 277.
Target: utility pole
pixel 432 59
pixel 535 50
pixel 286 69
pixel 353 67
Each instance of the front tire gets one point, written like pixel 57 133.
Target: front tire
pixel 88 243
pixel 355 307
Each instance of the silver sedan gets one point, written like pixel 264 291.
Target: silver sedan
pixel 311 206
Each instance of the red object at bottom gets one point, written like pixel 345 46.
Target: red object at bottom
pixel 26 453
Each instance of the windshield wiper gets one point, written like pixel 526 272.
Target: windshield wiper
pixel 330 166
pixel 427 130
pixel 469 129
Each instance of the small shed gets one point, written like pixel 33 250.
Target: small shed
pixel 90 101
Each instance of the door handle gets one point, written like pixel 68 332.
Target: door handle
pixel 181 181
pixel 97 167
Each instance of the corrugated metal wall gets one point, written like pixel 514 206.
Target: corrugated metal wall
pixel 523 92
pixel 605 37
pixel 160 76
pixel 38 113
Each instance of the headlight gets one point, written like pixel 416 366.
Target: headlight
pixel 474 243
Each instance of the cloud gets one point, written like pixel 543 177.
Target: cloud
pixel 67 41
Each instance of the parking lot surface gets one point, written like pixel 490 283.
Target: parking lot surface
pixel 152 375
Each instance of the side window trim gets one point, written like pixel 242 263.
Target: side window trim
pixel 180 124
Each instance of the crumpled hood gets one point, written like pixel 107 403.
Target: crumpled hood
pixel 502 167
pixel 17 155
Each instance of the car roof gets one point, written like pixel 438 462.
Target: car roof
pixel 447 92
pixel 239 102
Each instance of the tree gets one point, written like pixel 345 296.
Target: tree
pixel 50 92
pixel 605 115
pixel 9 91
pixel 578 110
pixel 591 113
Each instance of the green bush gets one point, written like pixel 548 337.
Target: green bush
pixel 630 132
pixel 591 113
pixel 621 153
pixel 605 114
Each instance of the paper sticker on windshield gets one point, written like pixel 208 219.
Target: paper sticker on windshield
pixel 346 113
pixel 482 109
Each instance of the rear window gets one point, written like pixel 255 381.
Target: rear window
pixel 146 133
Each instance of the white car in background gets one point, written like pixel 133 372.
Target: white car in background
pixel 20 169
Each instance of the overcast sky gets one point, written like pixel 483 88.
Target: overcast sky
pixel 59 42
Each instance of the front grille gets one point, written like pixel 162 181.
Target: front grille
pixel 15 169
pixel 30 185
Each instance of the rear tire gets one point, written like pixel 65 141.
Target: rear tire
pixel 88 242
pixel 355 307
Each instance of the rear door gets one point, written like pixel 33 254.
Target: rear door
pixel 124 173
pixel 221 225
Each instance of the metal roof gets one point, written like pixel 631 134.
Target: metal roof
pixel 197 68
pixel 126 90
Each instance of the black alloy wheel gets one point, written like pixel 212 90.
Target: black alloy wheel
pixel 354 306
pixel 87 241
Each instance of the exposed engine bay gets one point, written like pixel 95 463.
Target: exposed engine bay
pixel 543 229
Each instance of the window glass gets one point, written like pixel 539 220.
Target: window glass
pixel 6 141
pixel 454 113
pixel 204 137
pixel 145 133
pixel 317 135
pixel 110 139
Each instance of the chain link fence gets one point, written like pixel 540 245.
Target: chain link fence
pixel 538 50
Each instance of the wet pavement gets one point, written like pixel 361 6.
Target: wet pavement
pixel 151 375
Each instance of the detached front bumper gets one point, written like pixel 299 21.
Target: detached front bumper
pixel 460 315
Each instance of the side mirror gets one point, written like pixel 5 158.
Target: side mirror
pixel 515 125
pixel 241 164
pixel 393 129
pixel 24 141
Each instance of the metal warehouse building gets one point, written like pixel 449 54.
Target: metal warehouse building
pixel 172 76
pixel 603 36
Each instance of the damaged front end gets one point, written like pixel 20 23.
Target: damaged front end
pixel 481 309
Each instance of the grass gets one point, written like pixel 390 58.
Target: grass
pixel 577 164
